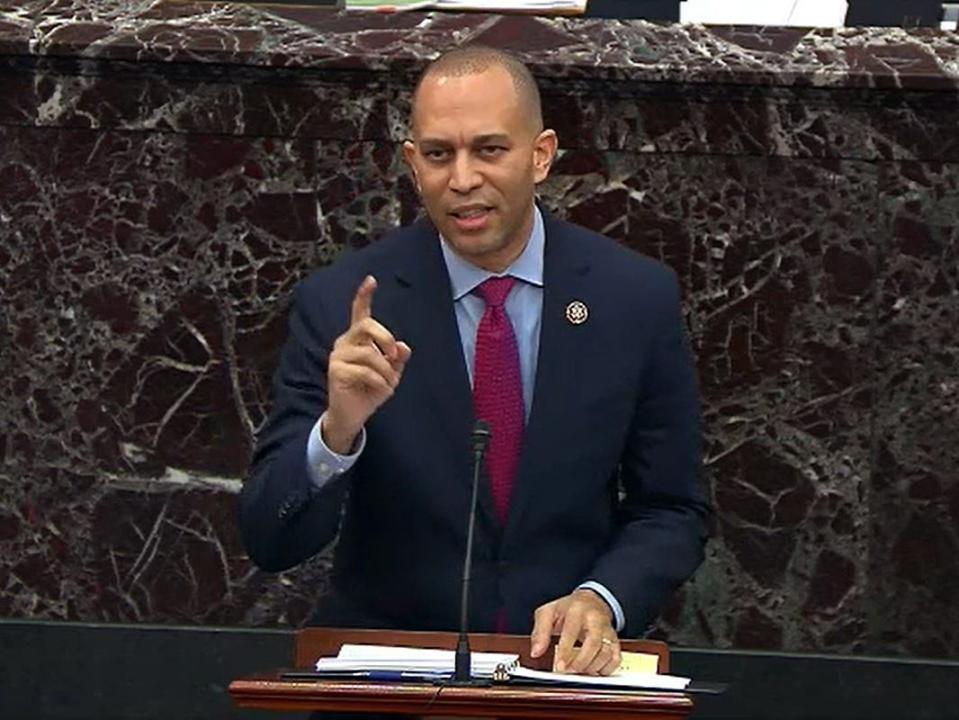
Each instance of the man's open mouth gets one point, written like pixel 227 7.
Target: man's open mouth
pixel 473 211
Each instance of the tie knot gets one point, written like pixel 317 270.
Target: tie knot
pixel 495 289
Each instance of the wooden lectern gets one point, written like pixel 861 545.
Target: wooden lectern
pixel 272 692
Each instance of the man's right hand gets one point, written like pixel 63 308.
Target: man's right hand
pixel 365 368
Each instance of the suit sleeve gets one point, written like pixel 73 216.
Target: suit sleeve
pixel 284 517
pixel 662 525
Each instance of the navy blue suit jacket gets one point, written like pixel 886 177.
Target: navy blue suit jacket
pixel 608 486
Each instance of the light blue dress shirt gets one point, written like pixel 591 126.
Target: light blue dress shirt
pixel 524 306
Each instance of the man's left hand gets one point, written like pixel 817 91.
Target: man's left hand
pixel 581 616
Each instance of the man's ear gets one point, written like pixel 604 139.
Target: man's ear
pixel 544 151
pixel 409 156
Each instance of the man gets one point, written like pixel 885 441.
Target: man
pixel 570 346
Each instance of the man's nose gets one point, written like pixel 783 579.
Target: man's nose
pixel 463 175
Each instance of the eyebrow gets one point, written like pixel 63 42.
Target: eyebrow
pixel 478 140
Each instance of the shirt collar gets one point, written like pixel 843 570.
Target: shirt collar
pixel 528 267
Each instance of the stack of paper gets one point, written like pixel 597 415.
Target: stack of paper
pixel 569 7
pixel 646 681
pixel 374 660
pixel 387 658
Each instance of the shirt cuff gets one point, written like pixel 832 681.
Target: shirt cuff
pixel 323 464
pixel 610 599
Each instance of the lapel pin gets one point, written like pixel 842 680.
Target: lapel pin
pixel 577 312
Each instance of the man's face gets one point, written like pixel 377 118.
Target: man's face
pixel 476 157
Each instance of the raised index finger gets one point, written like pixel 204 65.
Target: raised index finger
pixel 363 300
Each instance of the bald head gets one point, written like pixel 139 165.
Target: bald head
pixel 477 59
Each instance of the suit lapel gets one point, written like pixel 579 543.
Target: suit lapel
pixel 565 273
pixel 429 323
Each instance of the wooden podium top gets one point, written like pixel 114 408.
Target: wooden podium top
pixel 272 692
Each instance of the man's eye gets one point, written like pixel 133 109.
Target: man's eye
pixel 435 154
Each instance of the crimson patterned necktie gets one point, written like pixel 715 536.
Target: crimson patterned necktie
pixel 498 390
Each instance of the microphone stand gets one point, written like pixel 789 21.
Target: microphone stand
pixel 463 675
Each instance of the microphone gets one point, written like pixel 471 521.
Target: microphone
pixel 479 441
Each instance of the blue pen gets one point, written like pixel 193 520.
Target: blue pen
pixel 393 675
